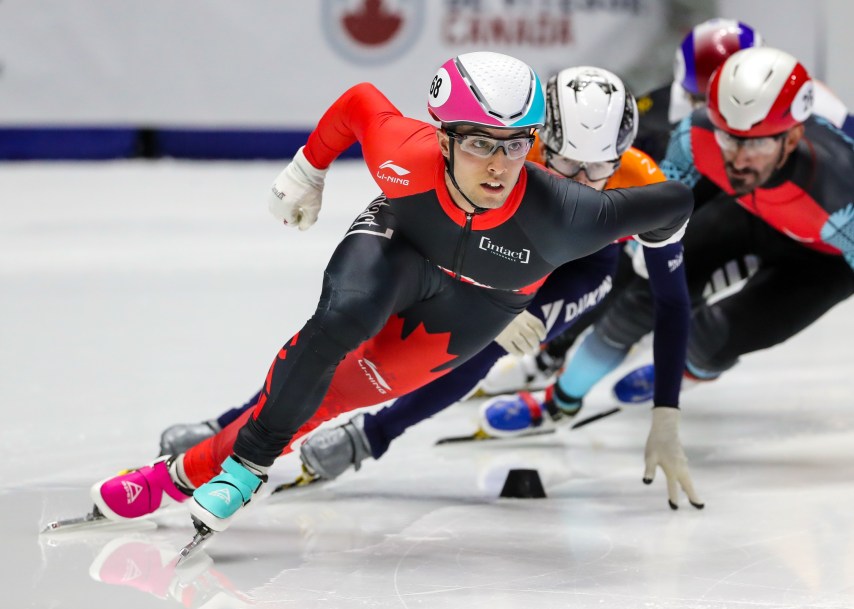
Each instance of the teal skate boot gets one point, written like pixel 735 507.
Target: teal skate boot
pixel 216 502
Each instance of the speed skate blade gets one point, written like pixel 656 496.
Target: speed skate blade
pixel 596 417
pixel 481 436
pixel 202 536
pixel 304 479
pixel 92 521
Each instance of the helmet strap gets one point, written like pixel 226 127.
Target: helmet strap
pixel 783 157
pixel 449 167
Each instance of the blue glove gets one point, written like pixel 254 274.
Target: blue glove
pixel 838 231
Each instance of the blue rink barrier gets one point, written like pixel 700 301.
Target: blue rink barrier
pixel 237 144
pixel 67 143
pixel 103 143
pixel 21 144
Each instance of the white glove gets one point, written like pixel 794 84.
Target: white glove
pixel 295 196
pixel 664 449
pixel 523 335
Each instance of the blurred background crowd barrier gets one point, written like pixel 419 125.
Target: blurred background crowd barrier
pixel 218 79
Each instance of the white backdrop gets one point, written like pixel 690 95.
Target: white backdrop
pixel 276 63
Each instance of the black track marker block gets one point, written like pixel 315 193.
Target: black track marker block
pixel 523 484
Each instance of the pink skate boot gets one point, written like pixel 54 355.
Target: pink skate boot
pixel 138 492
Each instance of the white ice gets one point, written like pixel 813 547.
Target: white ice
pixel 136 295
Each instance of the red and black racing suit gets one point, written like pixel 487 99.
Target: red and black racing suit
pixel 417 286
pixel 802 274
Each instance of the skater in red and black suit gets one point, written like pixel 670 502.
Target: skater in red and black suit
pixel 769 180
pixel 428 275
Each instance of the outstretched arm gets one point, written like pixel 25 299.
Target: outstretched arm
pixel 656 213
pixel 666 271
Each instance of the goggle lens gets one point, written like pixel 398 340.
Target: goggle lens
pixel 570 168
pixel 484 147
pixel 752 145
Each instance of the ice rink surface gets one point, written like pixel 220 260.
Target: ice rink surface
pixel 136 295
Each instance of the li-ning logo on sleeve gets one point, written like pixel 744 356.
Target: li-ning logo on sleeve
pixel 367 222
pixel 523 256
pixel 397 169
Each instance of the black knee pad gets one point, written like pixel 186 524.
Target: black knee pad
pixel 707 342
pixel 629 317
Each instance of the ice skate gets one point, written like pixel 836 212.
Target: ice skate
pixel 639 385
pixel 507 416
pixel 180 438
pixel 216 502
pixel 126 498
pixel 328 453
pixel 528 373
pixel 138 492
pixel 519 415
pixel 524 413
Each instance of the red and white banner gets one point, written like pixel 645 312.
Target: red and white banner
pixel 276 63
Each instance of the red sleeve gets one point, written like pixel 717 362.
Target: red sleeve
pixel 401 153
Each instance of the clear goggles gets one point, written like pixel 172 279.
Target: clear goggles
pixel 571 168
pixel 751 145
pixel 484 147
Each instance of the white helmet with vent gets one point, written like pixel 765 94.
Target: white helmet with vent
pixel 590 115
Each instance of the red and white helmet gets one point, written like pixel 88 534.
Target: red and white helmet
pixel 759 92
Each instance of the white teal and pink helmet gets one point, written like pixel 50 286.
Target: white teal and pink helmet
pixel 489 89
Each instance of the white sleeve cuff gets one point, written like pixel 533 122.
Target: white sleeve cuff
pixel 674 238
